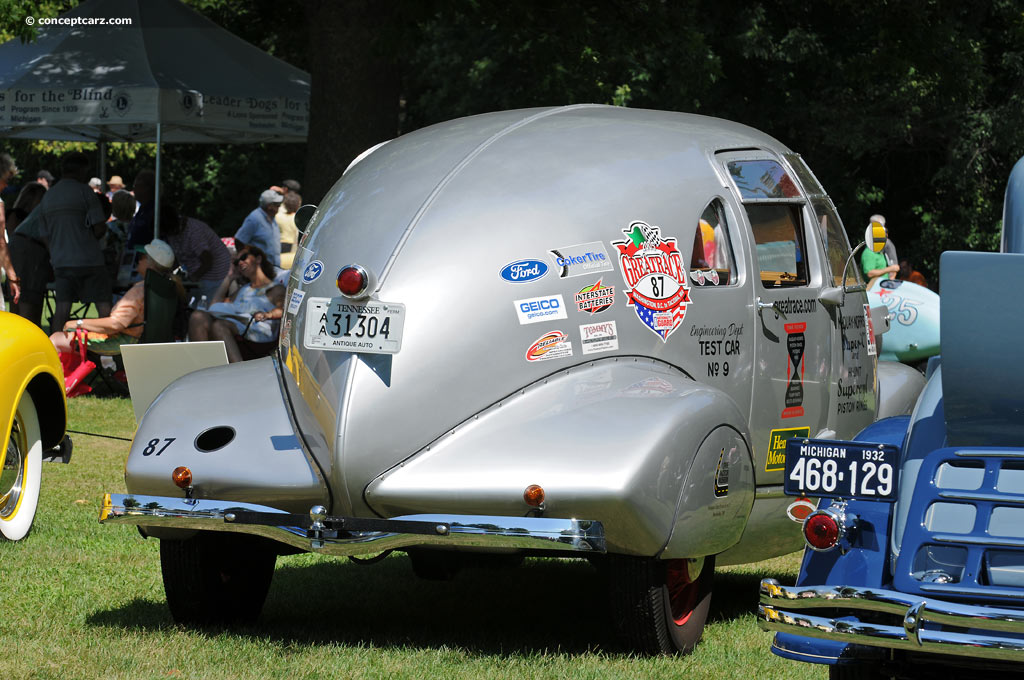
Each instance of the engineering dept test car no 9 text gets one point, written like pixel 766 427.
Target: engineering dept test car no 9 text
pixel 915 560
pixel 583 331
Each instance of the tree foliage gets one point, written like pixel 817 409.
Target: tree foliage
pixel 913 109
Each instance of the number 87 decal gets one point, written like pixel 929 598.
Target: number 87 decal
pixel 152 444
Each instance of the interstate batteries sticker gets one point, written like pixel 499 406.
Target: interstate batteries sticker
pixel 656 283
pixel 595 298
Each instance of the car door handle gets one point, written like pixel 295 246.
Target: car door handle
pixel 761 306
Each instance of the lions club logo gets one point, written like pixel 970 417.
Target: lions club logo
pixel 655 279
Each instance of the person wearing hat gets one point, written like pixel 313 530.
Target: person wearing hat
pixel 124 325
pixel 260 229
pixel 114 184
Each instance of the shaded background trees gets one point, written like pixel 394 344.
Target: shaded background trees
pixel 912 109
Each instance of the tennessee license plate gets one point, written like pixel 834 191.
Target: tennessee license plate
pixel 341 325
pixel 826 468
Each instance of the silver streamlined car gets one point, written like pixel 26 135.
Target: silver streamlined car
pixel 583 331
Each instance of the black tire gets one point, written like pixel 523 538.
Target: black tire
pixel 657 607
pixel 215 578
pixel 860 671
pixel 435 565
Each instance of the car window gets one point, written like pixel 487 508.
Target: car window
pixel 711 261
pixel 779 243
pixel 774 206
pixel 830 227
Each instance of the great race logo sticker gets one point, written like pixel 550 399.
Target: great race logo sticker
pixel 312 271
pixel 652 268
pixel 553 345
pixel 523 271
pixel 595 298
pixel 544 308
pixel 776 459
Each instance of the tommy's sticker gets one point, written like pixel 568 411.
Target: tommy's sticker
pixel 599 337
pixel 595 298
pixel 553 345
pixel 523 271
pixel 312 271
pixel 776 459
pixel 584 258
pixel 296 301
pixel 655 278
pixel 544 308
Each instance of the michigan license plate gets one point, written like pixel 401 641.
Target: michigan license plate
pixel 826 468
pixel 341 325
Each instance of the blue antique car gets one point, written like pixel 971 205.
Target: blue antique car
pixel 915 559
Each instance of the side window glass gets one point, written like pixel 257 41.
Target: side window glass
pixel 837 247
pixel 711 261
pixel 774 205
pixel 780 244
pixel 830 227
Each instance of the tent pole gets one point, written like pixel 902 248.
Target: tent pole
pixel 156 196
pixel 103 160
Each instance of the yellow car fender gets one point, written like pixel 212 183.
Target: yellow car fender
pixel 30 362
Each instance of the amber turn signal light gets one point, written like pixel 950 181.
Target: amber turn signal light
pixel 534 495
pixel 182 477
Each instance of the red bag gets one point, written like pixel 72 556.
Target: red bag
pixel 76 368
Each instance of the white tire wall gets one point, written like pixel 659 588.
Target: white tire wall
pixel 18 503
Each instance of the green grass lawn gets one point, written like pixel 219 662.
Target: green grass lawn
pixel 80 600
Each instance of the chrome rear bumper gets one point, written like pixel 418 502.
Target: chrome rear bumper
pixel 995 633
pixel 355 536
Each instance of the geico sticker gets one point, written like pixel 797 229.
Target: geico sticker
pixel 544 308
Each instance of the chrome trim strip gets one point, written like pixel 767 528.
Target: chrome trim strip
pixel 769 492
pixel 912 612
pixel 979 540
pixel 534 533
pixel 1002 453
pixel 1008 498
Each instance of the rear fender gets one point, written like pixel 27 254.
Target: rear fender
pixel 616 440
pixel 231 427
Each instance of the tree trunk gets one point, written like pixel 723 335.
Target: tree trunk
pixel 354 102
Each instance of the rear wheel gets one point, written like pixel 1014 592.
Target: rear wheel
pixel 215 578
pixel 660 606
pixel 21 472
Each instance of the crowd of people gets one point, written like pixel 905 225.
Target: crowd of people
pixel 82 243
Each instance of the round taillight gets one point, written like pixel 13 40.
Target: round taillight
pixel 821 531
pixel 353 281
pixel 182 477
pixel 534 495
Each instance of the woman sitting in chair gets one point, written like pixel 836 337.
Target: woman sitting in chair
pixel 246 323
pixel 124 325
